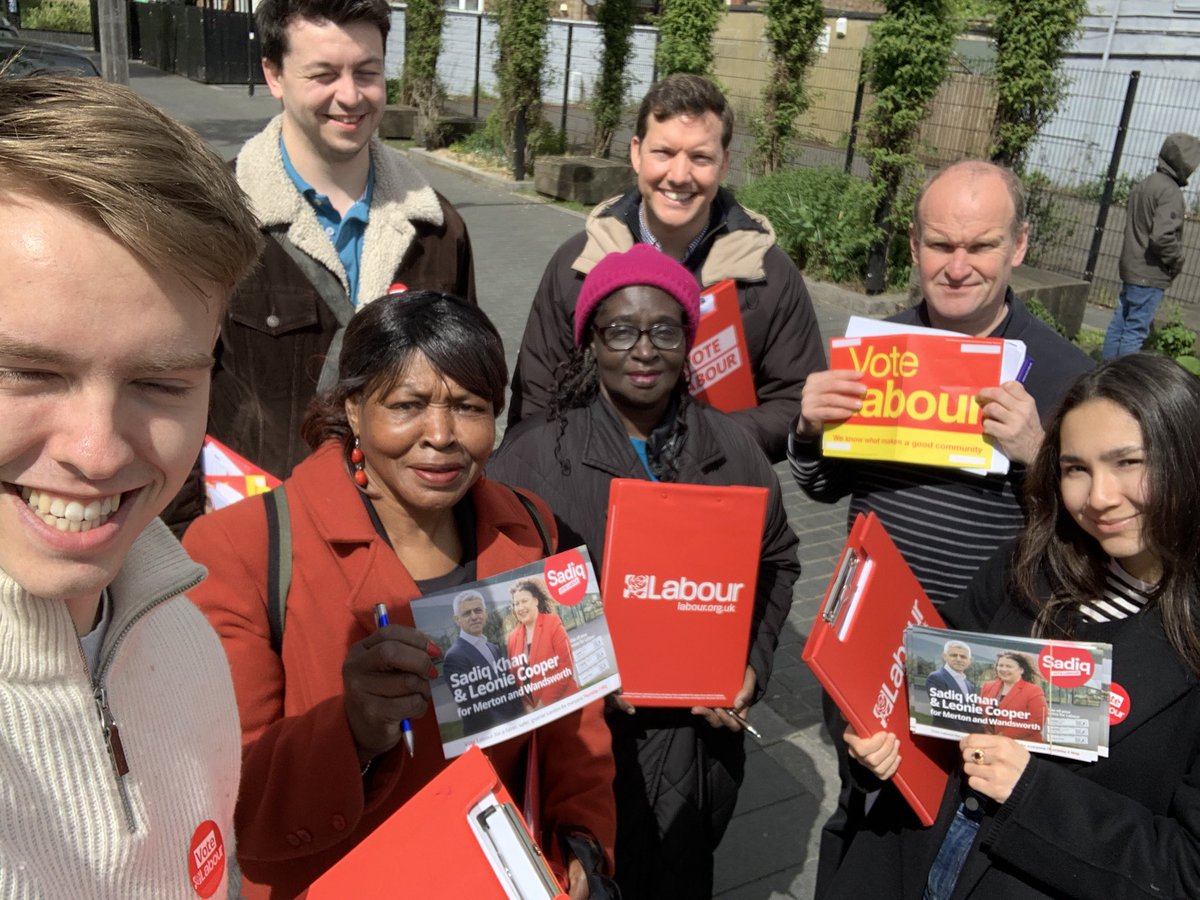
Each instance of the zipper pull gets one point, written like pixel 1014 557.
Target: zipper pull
pixel 112 734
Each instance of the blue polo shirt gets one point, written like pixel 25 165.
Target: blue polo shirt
pixel 345 232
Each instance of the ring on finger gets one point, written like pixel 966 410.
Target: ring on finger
pixel 977 756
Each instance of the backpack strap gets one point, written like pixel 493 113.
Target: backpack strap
pixel 531 508
pixel 279 562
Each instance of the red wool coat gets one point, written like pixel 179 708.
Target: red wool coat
pixel 549 640
pixel 302 803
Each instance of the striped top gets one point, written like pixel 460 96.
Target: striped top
pixel 1124 596
pixel 945 523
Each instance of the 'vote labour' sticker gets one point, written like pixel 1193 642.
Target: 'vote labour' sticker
pixel 1118 704
pixel 206 859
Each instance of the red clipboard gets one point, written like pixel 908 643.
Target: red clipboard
pixel 856 650
pixel 679 610
pixel 721 373
pixel 468 836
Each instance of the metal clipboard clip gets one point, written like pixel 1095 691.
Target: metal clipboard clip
pixel 519 865
pixel 846 589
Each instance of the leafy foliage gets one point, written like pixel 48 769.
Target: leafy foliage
pixel 905 64
pixel 615 18
pixel 1038 310
pixel 1050 223
pixel 56 15
pixel 520 61
pixel 419 85
pixel 686 29
pixel 1031 38
pixel 1174 339
pixel 823 219
pixel 792 29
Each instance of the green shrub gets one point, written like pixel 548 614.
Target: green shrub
pixel 1050 223
pixel 1038 310
pixel 488 143
pixel 393 91
pixel 56 15
pixel 1089 340
pixel 823 219
pixel 1174 339
pixel 1094 189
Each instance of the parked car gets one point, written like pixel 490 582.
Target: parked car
pixel 39 57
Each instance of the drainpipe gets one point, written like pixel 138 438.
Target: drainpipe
pixel 1112 30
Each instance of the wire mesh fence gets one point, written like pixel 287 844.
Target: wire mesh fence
pixel 1107 131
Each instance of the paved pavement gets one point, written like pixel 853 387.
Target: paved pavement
pixel 769 852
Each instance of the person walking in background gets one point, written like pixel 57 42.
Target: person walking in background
pixel 1152 254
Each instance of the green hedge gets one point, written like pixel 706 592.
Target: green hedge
pixel 823 220
pixel 56 15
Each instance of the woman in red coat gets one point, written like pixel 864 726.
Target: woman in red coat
pixel 1018 707
pixel 391 505
pixel 537 640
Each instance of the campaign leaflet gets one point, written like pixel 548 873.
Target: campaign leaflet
pixel 519 649
pixel 1051 696
pixel 920 404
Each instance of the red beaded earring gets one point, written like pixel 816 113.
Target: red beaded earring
pixel 356 460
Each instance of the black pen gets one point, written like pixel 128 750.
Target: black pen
pixel 381 621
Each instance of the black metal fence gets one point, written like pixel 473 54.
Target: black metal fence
pixel 1103 140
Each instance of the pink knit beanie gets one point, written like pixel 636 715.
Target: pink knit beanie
pixel 639 265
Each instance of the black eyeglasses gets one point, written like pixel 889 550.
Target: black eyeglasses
pixel 664 336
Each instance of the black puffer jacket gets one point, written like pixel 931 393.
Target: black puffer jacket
pixel 677 777
pixel 783 341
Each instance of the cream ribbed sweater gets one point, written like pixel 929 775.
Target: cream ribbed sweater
pixel 64 814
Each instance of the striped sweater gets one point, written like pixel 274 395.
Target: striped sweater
pixel 945 523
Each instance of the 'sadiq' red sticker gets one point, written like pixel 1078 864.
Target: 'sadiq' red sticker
pixel 206 858
pixel 1066 667
pixel 1118 704
pixel 566 577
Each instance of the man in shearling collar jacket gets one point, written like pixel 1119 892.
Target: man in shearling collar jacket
pixel 680 151
pixel 347 220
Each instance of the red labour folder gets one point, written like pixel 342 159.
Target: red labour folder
pixel 680 571
pixel 459 836
pixel 856 650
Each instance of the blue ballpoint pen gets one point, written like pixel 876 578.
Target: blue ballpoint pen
pixel 381 621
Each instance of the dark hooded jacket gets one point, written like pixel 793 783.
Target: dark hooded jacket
pixel 782 337
pixel 677 777
pixel 1152 254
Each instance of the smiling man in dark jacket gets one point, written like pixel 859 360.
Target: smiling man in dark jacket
pixel 680 151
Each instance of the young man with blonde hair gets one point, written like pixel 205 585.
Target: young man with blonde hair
pixel 123 238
